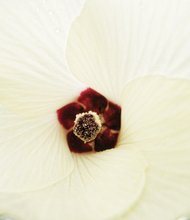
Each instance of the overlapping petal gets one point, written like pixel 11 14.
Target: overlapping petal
pixel 156 122
pixel 33 153
pixel 102 186
pixel 114 42
pixel 34 77
pixel 34 82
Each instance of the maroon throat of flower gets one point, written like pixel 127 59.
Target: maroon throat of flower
pixel 91 122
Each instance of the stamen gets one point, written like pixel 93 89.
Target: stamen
pixel 87 125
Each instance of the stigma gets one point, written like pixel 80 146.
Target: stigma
pixel 87 126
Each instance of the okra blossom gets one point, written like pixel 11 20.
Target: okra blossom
pixel 94 109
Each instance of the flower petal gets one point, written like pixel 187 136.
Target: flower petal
pixel 76 145
pixel 106 140
pixel 33 153
pixel 167 191
pixel 66 115
pixel 113 42
pixel 93 101
pixel 156 121
pixel 102 186
pixel 112 116
pixel 34 78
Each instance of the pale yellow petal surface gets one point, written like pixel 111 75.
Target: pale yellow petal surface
pixel 34 83
pixel 33 153
pixel 116 41
pixel 156 122
pixel 102 186
pixel 34 77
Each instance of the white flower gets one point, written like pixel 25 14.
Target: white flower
pixel 133 52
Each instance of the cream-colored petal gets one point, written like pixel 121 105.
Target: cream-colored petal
pixel 113 42
pixel 156 121
pixel 167 192
pixel 102 186
pixel 33 153
pixel 34 78
pixel 34 81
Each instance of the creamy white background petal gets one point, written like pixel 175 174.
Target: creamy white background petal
pixel 114 42
pixel 102 186
pixel 157 122
pixel 34 83
pixel 32 153
pixel 34 78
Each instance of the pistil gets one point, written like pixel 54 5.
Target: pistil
pixel 87 126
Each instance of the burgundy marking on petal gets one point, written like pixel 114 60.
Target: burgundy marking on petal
pixel 66 114
pixel 106 140
pixel 112 116
pixel 76 145
pixel 93 100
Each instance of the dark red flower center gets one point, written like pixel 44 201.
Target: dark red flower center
pixel 91 122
